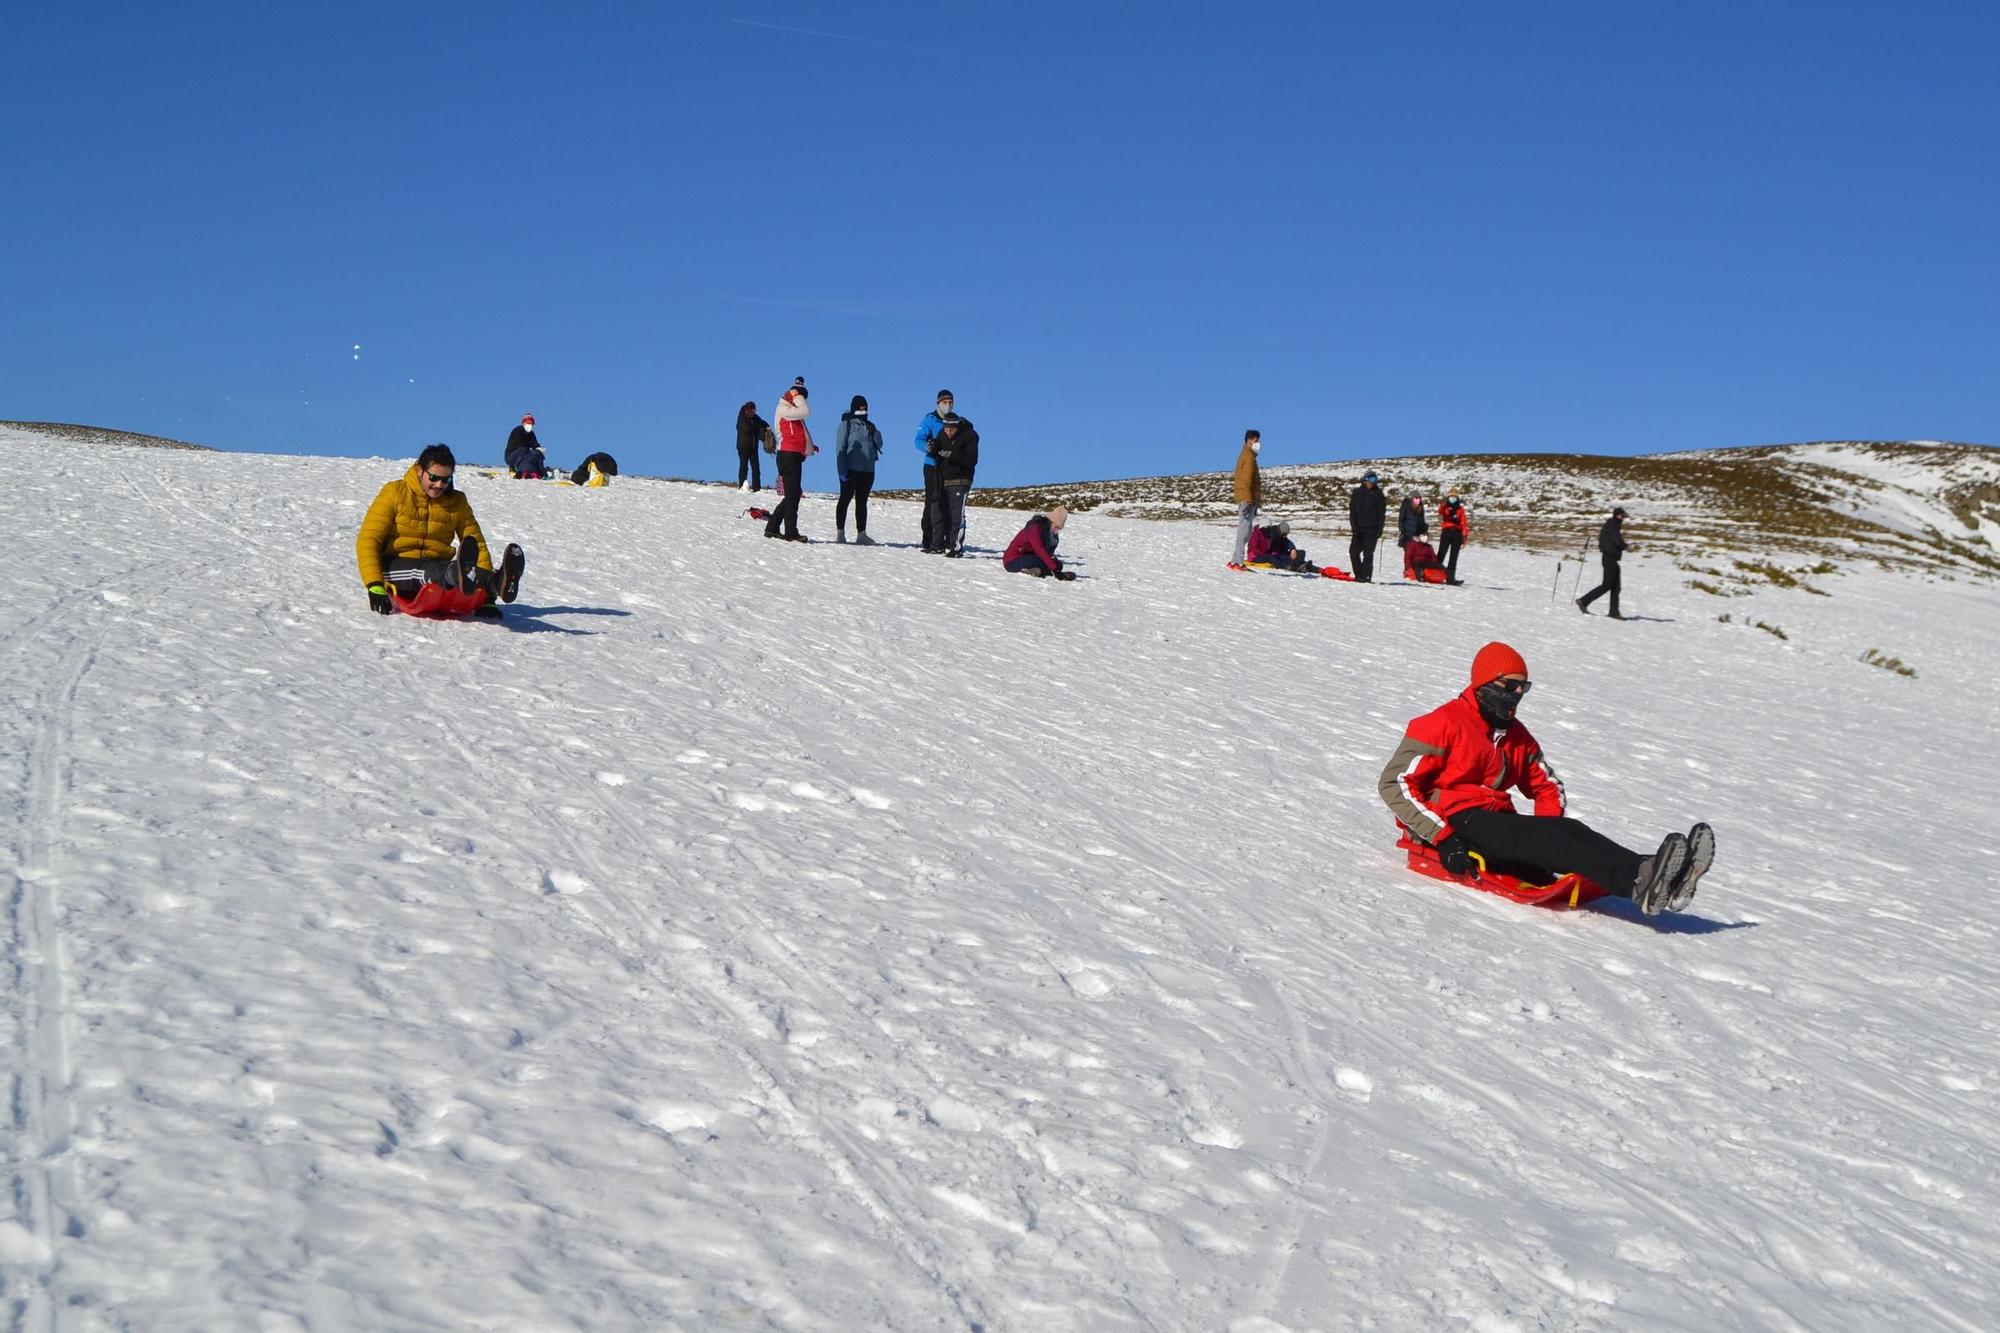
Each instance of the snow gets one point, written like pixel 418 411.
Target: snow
pixel 823 938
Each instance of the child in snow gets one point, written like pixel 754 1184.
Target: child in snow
pixel 406 536
pixel 1033 550
pixel 1420 562
pixel 1447 784
pixel 1272 545
pixel 524 452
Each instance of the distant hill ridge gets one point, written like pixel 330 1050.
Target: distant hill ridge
pixel 63 430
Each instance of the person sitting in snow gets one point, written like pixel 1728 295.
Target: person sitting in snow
pixel 1033 550
pixel 1420 562
pixel 406 539
pixel 596 470
pixel 524 452
pixel 1447 784
pixel 1272 545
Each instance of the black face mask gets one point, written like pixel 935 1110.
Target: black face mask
pixel 1497 703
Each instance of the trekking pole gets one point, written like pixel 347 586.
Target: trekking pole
pixel 1577 582
pixel 1557 583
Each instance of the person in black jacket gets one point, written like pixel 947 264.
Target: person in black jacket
pixel 1611 545
pixel 524 452
pixel 957 452
pixel 1367 510
pixel 1410 522
pixel 750 430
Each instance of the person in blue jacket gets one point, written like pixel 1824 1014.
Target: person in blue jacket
pixel 855 452
pixel 928 431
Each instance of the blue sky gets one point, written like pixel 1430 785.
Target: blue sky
pixel 1120 232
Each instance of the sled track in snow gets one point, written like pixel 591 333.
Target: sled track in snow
pixel 42 1176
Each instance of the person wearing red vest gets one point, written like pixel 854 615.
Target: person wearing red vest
pixel 795 442
pixel 1448 783
pixel 1451 535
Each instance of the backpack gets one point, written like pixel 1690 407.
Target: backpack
pixel 770 440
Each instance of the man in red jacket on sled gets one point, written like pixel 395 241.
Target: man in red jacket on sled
pixel 1447 784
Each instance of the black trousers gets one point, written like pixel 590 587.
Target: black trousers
pixel 948 515
pixel 1448 543
pixel 1612 582
pixel 786 515
pixel 746 466
pixel 406 576
pixel 854 487
pixel 1553 845
pixel 1361 555
pixel 930 503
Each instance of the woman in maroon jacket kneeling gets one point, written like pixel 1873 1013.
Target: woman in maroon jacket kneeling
pixel 1033 550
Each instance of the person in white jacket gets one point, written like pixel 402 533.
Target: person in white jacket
pixel 794 444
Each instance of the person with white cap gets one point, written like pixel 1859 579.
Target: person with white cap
pixel 1033 550
pixel 525 457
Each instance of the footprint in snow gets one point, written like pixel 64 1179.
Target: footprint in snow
pixel 563 882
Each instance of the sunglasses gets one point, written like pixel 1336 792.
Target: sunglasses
pixel 439 478
pixel 1512 686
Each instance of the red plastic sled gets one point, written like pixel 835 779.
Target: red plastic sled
pixel 1329 572
pixel 1562 893
pixel 434 601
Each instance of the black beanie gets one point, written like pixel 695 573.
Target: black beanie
pixel 859 404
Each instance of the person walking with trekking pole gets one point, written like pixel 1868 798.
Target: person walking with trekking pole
pixel 1611 546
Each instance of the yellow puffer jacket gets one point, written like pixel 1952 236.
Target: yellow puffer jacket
pixel 406 524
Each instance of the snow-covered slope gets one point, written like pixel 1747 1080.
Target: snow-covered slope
pixel 747 935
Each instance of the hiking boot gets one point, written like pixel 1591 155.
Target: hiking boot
pixel 468 561
pixel 1655 884
pixel 797 537
pixel 840 536
pixel 511 565
pixel 863 539
pixel 1701 855
pixel 955 553
pixel 1583 606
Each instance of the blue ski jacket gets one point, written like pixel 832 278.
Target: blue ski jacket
pixel 928 431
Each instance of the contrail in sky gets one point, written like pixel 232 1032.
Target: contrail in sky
pixel 836 36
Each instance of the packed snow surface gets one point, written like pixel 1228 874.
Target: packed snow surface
pixel 754 935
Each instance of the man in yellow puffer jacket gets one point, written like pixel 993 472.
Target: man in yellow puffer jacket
pixel 406 538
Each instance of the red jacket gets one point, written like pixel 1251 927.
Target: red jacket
pixel 1451 518
pixel 1036 538
pixel 793 436
pixel 1450 760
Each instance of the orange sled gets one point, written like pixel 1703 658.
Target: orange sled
pixel 1562 893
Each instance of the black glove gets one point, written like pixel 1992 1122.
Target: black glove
pixel 378 600
pixel 1064 575
pixel 1455 854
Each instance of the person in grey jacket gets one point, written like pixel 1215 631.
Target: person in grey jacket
pixel 855 452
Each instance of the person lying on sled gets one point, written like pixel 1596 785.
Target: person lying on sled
pixel 406 539
pixel 1272 545
pixel 1033 550
pixel 1447 784
pixel 1420 562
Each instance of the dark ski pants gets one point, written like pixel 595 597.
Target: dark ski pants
pixel 406 576
pixel 1552 844
pixel 785 517
pixel 854 487
pixel 746 466
pixel 1361 555
pixel 1448 543
pixel 1612 582
pixel 1028 563
pixel 948 517
pixel 930 502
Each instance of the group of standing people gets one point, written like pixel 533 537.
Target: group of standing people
pixel 947 441
pixel 1367 514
